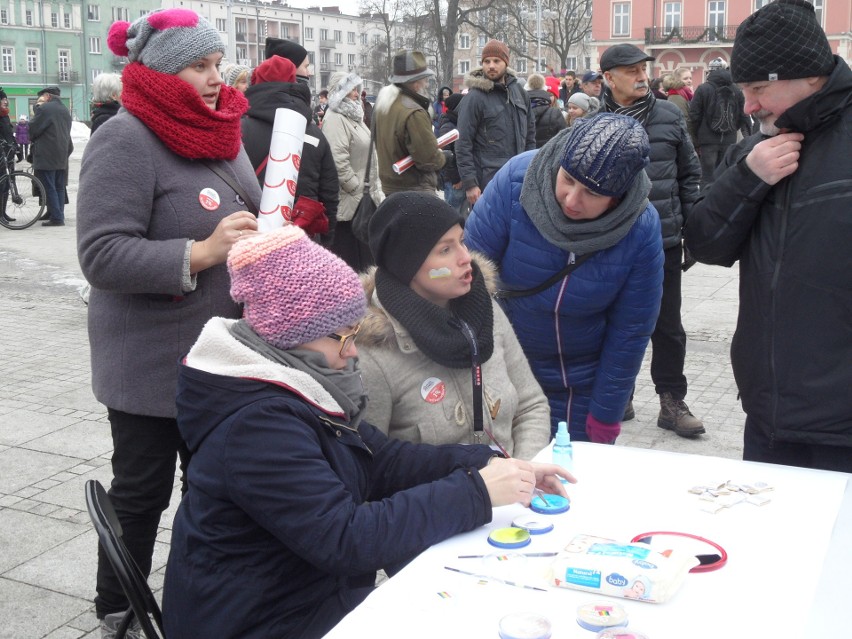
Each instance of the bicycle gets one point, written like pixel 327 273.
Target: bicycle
pixel 22 195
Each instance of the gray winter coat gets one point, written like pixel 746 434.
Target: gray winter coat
pixel 138 206
pixel 398 376
pixel 496 123
pixel 50 135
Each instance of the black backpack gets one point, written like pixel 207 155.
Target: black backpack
pixel 723 116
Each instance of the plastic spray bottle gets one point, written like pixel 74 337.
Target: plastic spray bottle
pixel 563 451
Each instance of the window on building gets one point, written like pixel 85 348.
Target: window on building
pixel 54 20
pixel 363 59
pixel 338 59
pixel 542 65
pixel 521 65
pixel 96 73
pixel 818 9
pixel 309 33
pixel 323 34
pixel 376 39
pixel 621 19
pixel 221 25
pixel 760 3
pixel 120 13
pixel 716 16
pixel 571 63
pixel 94 44
pixel 311 58
pixel 66 20
pixel 464 67
pixel 364 39
pixel 7 56
pixel 351 60
pixel 350 37
pixel 588 64
pixel 671 16
pixel 4 16
pixel 64 65
pixel 464 41
pixel 144 12
pixel 482 40
pixel 94 13
pixel 28 17
pixel 338 36
pixel 323 56
pixel 32 61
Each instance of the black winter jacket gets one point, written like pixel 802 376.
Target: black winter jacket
pixel 102 112
pixel 548 120
pixel 50 134
pixel 792 350
pixel 317 172
pixel 674 170
pixel 703 108
pixel 495 124
pixel 448 122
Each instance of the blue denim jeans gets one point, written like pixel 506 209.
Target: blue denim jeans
pixel 54 185
pixel 457 198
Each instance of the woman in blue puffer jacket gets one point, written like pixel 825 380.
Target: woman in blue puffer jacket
pixel 582 199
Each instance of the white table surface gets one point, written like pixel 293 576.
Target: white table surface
pixel 787 575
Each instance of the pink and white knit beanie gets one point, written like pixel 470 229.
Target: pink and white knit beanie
pixel 167 40
pixel 294 290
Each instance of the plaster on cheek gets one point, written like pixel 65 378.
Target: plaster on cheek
pixel 437 273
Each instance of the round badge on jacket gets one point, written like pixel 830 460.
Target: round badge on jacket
pixel 209 199
pixel 433 390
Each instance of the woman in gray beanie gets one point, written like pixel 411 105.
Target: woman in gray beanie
pixel 581 105
pixel 155 222
pixel 431 324
pixel 579 247
pixel 349 139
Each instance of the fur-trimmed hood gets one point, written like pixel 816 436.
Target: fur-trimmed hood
pixel 339 90
pixel 476 79
pixel 379 329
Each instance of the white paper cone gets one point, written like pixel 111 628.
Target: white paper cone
pixel 282 169
pixel 407 162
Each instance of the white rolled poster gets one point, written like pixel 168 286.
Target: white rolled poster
pixel 282 170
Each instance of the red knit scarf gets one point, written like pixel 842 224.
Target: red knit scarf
pixel 175 112
pixel 685 92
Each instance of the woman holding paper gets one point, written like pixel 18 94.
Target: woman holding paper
pixel 154 227
pixel 431 323
pixel 349 139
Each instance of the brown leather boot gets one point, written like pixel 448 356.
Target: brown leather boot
pixel 675 415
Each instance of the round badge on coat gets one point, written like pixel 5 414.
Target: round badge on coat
pixel 433 390
pixel 209 199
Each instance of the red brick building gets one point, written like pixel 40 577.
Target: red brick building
pixel 691 33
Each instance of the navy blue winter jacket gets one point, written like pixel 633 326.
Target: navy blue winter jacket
pixel 287 504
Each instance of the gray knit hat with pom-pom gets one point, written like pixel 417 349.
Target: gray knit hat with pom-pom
pixel 606 152
pixel 168 40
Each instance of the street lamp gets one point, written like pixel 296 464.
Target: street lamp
pixel 538 14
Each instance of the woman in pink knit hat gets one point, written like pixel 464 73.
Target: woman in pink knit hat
pixel 294 501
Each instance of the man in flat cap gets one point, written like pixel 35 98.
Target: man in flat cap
pixel 675 173
pixel 403 127
pixel 50 133
pixel 496 121
pixel 781 205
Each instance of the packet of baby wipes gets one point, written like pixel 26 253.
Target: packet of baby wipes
pixel 629 570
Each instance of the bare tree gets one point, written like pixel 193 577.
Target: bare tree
pixel 447 16
pixel 564 25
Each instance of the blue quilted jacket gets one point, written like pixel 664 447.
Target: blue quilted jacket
pixel 586 335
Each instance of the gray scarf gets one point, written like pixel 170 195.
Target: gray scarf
pixel 345 386
pixel 351 109
pixel 579 237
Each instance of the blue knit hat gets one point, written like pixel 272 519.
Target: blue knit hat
pixel 606 152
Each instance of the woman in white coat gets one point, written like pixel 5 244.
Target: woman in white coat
pixel 349 138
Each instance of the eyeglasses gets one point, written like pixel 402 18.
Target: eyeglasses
pixel 345 340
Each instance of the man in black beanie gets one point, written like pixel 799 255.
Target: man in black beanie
pixel 781 205
pixel 294 52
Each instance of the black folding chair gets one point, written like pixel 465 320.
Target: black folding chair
pixel 143 606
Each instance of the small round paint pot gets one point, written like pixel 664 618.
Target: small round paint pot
pixel 620 633
pixel 600 615
pixel 533 524
pixel 525 625
pixel 509 538
pixel 550 504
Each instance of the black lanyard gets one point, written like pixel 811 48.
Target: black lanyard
pixel 476 376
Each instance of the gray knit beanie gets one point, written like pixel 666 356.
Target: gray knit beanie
pixel 232 72
pixel 580 100
pixel 167 40
pixel 781 41
pixel 339 85
pixel 606 152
